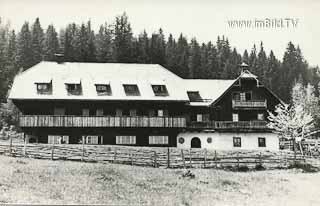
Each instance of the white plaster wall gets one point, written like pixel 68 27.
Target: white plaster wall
pixel 224 141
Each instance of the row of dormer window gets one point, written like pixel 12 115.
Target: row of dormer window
pixel 103 89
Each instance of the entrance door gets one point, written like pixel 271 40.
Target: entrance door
pixel 195 143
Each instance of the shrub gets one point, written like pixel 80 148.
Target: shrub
pixel 308 168
pixel 259 167
pixel 243 168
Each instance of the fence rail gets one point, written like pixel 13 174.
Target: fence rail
pixel 153 157
pixel 100 121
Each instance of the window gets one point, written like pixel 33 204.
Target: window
pixel 158 140
pixel 235 117
pixel 44 88
pixel 261 142
pixel 242 96
pixel 93 139
pixel 58 139
pixel 194 96
pixel 199 117
pixel 125 139
pixel 131 89
pixel 248 96
pixel 133 112
pixel 160 113
pixel 160 90
pixel 103 90
pixel 260 116
pixel 236 141
pixel 74 89
pixel 209 140
pixel 152 113
pixel 85 112
pixel 99 112
pixel 59 111
pixel 118 112
pixel 181 140
pixel 236 96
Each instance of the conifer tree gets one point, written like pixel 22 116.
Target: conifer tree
pixel 194 59
pixel 143 48
pixel 104 44
pixel 123 40
pixel 51 43
pixel 37 37
pixel 25 58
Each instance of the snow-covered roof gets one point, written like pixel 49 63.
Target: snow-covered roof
pixel 90 74
pixel 209 90
pixel 43 80
pixel 247 74
pixel 116 75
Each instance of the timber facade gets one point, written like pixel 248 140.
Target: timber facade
pixel 138 104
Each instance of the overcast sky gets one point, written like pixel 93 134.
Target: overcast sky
pixel 204 20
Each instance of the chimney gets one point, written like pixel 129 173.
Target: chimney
pixel 59 58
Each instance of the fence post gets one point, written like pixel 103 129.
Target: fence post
pixel 205 158
pixel 190 158
pixel 25 145
pixel 82 155
pixel 168 160
pixel 260 159
pixel 215 158
pixel 52 151
pixel 155 158
pixel 183 160
pixel 115 155
pixel 238 164
pixel 131 158
pixel 10 145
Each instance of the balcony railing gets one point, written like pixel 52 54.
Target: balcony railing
pixel 229 125
pixel 100 121
pixel 249 104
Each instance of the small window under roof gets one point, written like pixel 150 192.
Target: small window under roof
pixel 73 87
pixel 131 89
pixel 160 90
pixel 103 89
pixel 194 96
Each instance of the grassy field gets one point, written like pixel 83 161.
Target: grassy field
pixel 63 182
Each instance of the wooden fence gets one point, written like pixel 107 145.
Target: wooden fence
pixel 153 157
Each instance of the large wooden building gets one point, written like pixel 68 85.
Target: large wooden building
pixel 141 104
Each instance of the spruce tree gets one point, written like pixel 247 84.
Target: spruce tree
pixel 25 58
pixel 37 37
pixel 123 40
pixel 104 44
pixel 194 59
pixel 51 44
pixel 143 50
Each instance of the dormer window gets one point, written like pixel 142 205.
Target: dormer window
pixel 194 96
pixel 73 86
pixel 160 90
pixel 44 86
pixel 131 89
pixel 103 89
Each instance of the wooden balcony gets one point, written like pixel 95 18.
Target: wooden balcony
pixel 252 104
pixel 229 125
pixel 100 121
